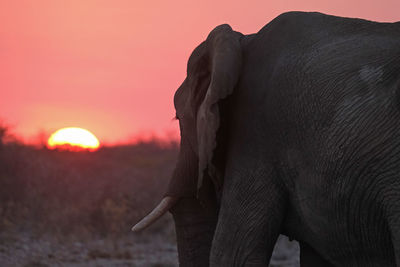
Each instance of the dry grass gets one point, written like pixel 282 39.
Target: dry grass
pixel 86 194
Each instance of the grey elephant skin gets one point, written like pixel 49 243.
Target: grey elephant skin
pixel 294 130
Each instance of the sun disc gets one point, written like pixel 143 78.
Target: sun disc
pixel 73 138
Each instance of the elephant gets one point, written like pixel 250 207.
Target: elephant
pixel 293 130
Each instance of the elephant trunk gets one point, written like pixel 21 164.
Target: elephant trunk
pixel 184 178
pixel 195 228
pixel 195 221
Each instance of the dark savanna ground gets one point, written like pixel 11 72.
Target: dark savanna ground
pixel 61 208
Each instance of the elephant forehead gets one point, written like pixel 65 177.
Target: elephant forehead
pixel 197 56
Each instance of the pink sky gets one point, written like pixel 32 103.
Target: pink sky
pixel 112 67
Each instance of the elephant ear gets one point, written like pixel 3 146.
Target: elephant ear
pixel 225 60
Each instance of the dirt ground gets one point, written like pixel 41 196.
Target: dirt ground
pixel 27 251
pixel 152 251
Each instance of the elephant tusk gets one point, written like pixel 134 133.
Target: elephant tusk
pixel 165 204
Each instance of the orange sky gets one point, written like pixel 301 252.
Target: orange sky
pixel 112 67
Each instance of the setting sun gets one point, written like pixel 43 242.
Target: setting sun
pixel 73 138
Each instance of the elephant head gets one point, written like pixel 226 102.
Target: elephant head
pixel 212 74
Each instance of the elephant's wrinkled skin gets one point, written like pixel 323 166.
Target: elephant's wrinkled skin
pixel 293 130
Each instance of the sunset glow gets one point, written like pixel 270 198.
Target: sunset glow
pixel 73 138
pixel 114 66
